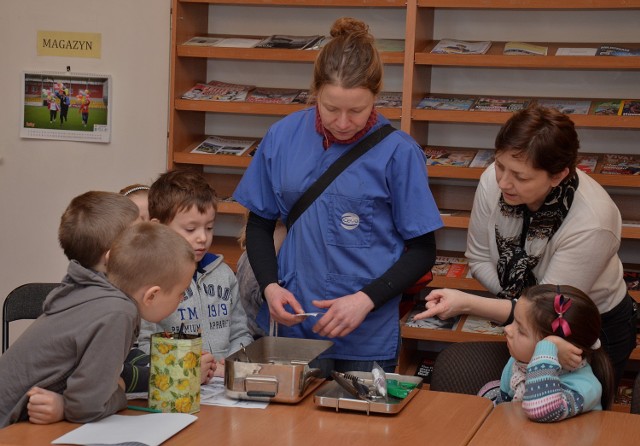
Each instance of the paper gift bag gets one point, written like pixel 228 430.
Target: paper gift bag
pixel 174 378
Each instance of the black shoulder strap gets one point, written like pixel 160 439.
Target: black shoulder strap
pixel 334 170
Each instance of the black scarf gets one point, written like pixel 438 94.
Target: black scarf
pixel 522 236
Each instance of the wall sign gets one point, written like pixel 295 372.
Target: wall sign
pixel 69 44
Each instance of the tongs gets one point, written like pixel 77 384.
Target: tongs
pixel 352 385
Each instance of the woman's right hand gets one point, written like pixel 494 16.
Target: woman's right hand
pixel 444 303
pixel 278 297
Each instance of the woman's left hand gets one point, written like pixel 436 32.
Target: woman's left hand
pixel 344 314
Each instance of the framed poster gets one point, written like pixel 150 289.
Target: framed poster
pixel 65 106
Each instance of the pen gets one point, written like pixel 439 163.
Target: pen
pixel 144 409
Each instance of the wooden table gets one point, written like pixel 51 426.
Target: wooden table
pixel 507 424
pixel 429 418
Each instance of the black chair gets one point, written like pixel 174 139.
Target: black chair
pixel 24 302
pixel 635 396
pixel 465 367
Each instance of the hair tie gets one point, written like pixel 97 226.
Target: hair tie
pixel 596 345
pixel 561 305
pixel 135 189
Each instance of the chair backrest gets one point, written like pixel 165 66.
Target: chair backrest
pixel 635 396
pixel 465 367
pixel 24 302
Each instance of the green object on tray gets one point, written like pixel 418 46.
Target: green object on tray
pixel 399 389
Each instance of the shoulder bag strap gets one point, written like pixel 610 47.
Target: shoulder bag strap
pixel 314 191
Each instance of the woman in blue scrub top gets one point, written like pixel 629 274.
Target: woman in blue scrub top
pixel 367 237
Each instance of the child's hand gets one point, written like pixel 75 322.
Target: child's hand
pixel 219 370
pixel 207 367
pixel 569 356
pixel 45 406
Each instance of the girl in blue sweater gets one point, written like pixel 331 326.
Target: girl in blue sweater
pixel 547 319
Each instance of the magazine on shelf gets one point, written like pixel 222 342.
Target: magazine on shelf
pixel 630 107
pixel 450 46
pixel 632 279
pixel 224 145
pixel 301 98
pixel 389 99
pixel 449 212
pixel 203 41
pixel 587 162
pixel 606 107
pixel 500 104
pixel 289 42
pixel 524 49
pixel 576 51
pixel 566 106
pixel 616 164
pixel 483 158
pixel 425 367
pixel 273 95
pixel 226 92
pixel 609 50
pixel 449 157
pixel 457 270
pixel 434 323
pixel 443 103
pixel 238 42
pixel 474 324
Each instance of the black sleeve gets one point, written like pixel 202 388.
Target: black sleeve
pixel 418 258
pixel 260 250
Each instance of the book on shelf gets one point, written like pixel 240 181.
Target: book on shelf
pixel 494 104
pixel 606 107
pixel 433 323
pixel 425 366
pixel 475 324
pixel 449 157
pixel 587 162
pixel 524 49
pixel 390 99
pixel 319 44
pixel 457 271
pixel 483 158
pixel 610 50
pixel 289 42
pixel 451 46
pixel 238 42
pixel 203 41
pixel 224 145
pixel 631 223
pixel 576 51
pixel 617 164
pixel 449 212
pixel 630 107
pixel 445 103
pixel 385 45
pixel 273 95
pixel 567 106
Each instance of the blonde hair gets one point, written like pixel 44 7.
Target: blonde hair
pixel 349 60
pixel 90 224
pixel 148 254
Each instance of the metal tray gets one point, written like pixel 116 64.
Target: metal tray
pixel 332 395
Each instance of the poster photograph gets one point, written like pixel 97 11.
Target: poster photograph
pixel 65 106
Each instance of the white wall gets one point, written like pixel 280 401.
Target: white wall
pixel 38 178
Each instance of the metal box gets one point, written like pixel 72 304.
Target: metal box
pixel 274 369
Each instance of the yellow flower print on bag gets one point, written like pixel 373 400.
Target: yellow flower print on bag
pixel 174 381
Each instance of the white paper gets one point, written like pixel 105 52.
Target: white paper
pixel 576 51
pixel 213 394
pixel 151 429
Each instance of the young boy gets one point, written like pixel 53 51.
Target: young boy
pixel 185 202
pixel 67 364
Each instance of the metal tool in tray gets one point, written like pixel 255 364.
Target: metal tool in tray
pixel 355 391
